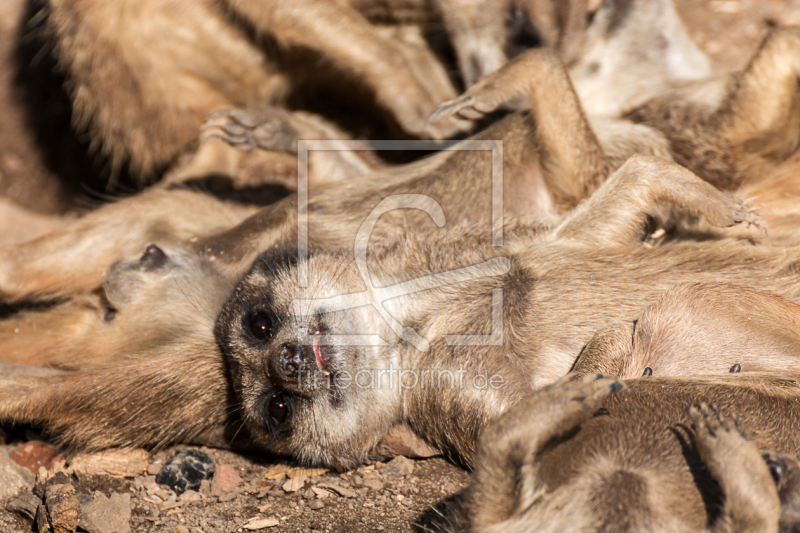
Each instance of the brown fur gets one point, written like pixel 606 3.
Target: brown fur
pixel 575 455
pixel 144 75
pixel 547 261
pixel 731 131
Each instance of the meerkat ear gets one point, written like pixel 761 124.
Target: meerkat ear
pixel 180 396
pixel 402 440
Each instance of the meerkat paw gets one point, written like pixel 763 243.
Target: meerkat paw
pixel 572 400
pixel 552 410
pixel 717 434
pixel 480 100
pixel 250 128
pixel 751 497
pixel 737 212
pixel 512 85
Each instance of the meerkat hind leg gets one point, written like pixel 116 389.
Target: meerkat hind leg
pixel 616 213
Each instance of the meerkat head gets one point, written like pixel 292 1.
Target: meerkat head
pixel 312 377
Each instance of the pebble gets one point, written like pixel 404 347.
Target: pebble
pixel 61 510
pixel 228 496
pixel 13 477
pixel 261 523
pixel 116 463
pixel 338 489
pixel 321 494
pixel 371 481
pixel 398 467
pixel 294 484
pixel 35 454
pixel 185 471
pixel 225 480
pixel 24 503
pixel 190 496
pixel 107 514
pixel 316 504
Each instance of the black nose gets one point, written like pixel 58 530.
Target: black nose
pixel 292 359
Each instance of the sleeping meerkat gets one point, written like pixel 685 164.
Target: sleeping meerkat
pixel 599 241
pixel 648 454
pixel 143 75
pixel 730 130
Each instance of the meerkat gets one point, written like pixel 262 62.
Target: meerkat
pixel 641 455
pixel 144 75
pixel 729 130
pixel 552 160
pixel 259 333
pixel 570 154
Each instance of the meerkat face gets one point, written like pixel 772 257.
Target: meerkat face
pixel 312 378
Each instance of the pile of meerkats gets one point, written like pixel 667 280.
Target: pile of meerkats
pixel 591 300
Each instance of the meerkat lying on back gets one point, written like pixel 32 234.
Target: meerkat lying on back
pixel 261 333
pixel 144 75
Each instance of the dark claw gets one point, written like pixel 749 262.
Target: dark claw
pixel 735 369
pixel 647 372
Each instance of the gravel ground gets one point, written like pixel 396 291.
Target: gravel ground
pixel 395 496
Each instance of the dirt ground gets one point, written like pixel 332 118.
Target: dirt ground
pixel 373 498
pixel 377 497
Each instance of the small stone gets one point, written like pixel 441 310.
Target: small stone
pixel 338 489
pixel 154 469
pixel 24 503
pixel 35 454
pixel 276 472
pixel 116 463
pixel 261 523
pixel 190 496
pixel 316 504
pixel 180 528
pixel 225 480
pixel 185 471
pixel 228 496
pixel 321 494
pixel 294 484
pixel 63 507
pixel 13 477
pixel 372 483
pixel 398 467
pixel 107 514
pixel 299 471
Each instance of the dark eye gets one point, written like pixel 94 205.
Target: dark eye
pixel 262 325
pixel 279 409
pixel 775 469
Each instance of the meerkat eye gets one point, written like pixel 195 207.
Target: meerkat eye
pixel 775 469
pixel 262 325
pixel 279 409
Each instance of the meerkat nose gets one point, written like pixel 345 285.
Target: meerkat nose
pixel 292 359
